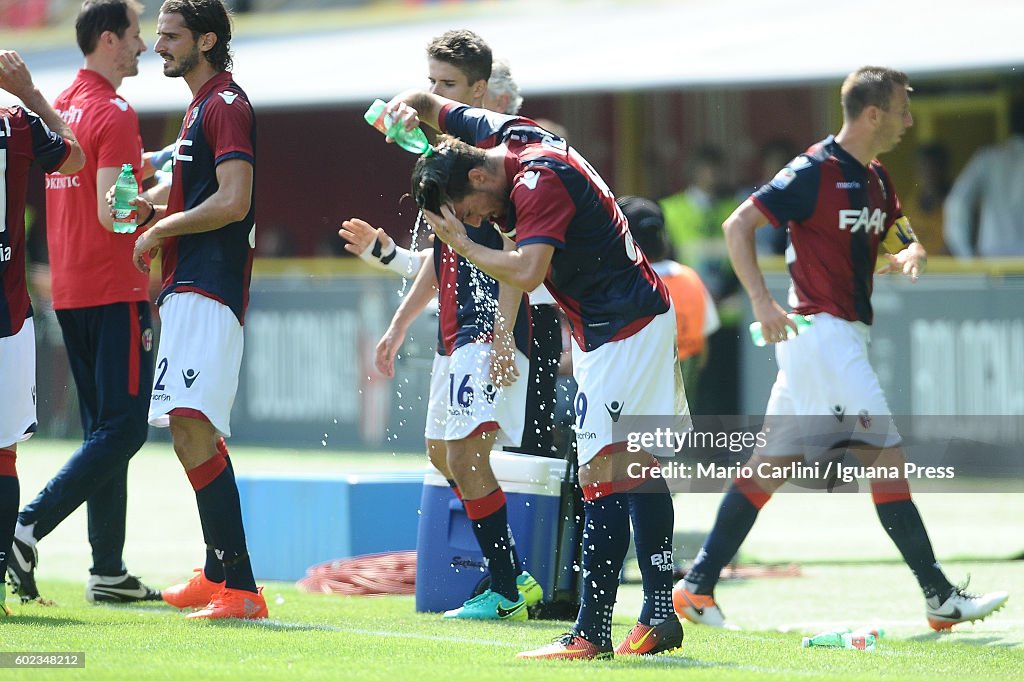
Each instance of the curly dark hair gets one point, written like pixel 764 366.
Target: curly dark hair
pixel 206 16
pixel 442 176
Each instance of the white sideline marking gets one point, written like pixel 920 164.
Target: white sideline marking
pixel 276 624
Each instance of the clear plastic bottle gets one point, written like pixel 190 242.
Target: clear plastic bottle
pixel 802 323
pixel 125 190
pixel 411 140
pixel 837 639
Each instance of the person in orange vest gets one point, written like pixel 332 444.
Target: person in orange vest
pixel 696 316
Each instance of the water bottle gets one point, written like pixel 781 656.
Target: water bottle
pixel 411 140
pixel 835 639
pixel 125 190
pixel 876 631
pixel 802 323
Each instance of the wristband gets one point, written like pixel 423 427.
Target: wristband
pixel 152 213
pixel 400 260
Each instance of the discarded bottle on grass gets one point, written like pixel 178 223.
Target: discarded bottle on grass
pixel 125 190
pixel 802 324
pixel 411 140
pixel 836 639
pixel 876 631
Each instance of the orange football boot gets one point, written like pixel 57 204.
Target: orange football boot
pixel 233 603
pixel 195 593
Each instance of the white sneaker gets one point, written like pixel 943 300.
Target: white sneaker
pixel 697 608
pixel 124 588
pixel 960 606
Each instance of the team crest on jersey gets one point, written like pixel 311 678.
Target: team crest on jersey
pixel 530 178
pixel 228 96
pixel 192 117
pixel 783 178
pixel 119 103
pixel 147 340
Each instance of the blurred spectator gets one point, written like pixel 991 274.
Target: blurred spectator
pixel 694 216
pixel 24 13
pixel 696 317
pixel 924 203
pixel 693 219
pixel 991 187
pixel 774 154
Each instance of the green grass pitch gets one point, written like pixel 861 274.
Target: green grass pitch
pixel 850 577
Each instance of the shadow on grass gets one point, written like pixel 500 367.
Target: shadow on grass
pixel 977 641
pixel 21 619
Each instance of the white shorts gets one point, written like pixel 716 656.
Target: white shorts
pixel 198 361
pixel 826 392
pixel 635 376
pixel 18 378
pixel 461 384
pixel 437 404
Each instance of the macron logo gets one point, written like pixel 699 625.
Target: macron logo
pixel 530 179
pixel 228 97
pixel 119 103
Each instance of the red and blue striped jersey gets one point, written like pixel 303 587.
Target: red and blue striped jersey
pixel 601 280
pixel 468 298
pixel 219 126
pixel 24 139
pixel 838 211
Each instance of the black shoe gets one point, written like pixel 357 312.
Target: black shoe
pixel 21 568
pixel 124 588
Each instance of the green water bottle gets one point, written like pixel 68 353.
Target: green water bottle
pixel 836 639
pixel 802 324
pixel 411 140
pixel 125 190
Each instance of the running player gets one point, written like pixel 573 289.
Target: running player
pixel 839 205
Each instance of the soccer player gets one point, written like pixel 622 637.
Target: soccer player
pixel 207 235
pixel 25 138
pixel 102 306
pixel 483 344
pixel 839 205
pixel 571 235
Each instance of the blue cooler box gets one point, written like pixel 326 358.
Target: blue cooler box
pixel 295 521
pixel 449 563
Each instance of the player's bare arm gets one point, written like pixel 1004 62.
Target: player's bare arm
pixel 230 203
pixel 16 79
pixel 739 238
pixel 524 268
pixel 413 107
pixel 422 291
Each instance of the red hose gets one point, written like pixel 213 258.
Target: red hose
pixel 371 575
